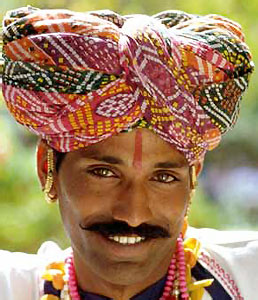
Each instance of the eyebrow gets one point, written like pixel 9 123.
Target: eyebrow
pixel 118 161
pixel 170 165
pixel 105 158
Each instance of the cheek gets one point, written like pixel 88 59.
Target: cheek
pixel 80 196
pixel 172 204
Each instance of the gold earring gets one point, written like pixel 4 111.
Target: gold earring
pixel 193 178
pixel 193 185
pixel 50 198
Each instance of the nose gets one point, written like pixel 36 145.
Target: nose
pixel 132 205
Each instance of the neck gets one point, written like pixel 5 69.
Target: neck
pixel 90 281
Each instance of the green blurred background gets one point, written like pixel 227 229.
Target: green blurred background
pixel 227 196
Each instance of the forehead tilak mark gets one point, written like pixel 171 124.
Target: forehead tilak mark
pixel 137 159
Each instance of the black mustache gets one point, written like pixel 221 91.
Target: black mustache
pixel 122 228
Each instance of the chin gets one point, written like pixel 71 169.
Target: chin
pixel 126 273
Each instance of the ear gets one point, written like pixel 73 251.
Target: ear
pixel 195 171
pixel 42 168
pixel 198 167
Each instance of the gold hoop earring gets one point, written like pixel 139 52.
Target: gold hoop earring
pixel 50 198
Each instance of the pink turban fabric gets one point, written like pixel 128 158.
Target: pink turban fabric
pixel 76 79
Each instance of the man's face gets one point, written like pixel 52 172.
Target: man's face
pixel 123 201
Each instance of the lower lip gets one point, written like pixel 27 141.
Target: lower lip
pixel 124 251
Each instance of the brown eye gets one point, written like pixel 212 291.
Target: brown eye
pixel 164 178
pixel 102 172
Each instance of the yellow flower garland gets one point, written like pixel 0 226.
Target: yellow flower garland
pixel 192 251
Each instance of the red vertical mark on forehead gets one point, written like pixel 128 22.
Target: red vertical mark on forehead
pixel 137 159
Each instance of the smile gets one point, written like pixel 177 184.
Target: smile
pixel 126 240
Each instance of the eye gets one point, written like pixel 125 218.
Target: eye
pixel 102 172
pixel 164 178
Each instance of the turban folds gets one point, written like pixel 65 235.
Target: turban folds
pixel 78 78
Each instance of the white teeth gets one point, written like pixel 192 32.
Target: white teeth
pixel 131 240
pixel 127 240
pixel 123 240
pixel 138 239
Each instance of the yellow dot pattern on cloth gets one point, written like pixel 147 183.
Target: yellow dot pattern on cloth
pixel 76 79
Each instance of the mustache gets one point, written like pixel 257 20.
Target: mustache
pixel 122 228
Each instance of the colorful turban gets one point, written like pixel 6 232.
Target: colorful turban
pixel 78 78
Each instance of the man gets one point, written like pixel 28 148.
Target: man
pixel 126 108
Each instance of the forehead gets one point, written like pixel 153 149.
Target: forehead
pixel 125 145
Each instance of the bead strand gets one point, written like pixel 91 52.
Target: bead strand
pixel 72 283
pixel 182 269
pixel 170 279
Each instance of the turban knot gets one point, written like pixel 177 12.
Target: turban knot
pixel 78 78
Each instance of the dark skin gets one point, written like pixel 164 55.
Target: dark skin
pixel 111 182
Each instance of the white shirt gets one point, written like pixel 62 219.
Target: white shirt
pixel 235 252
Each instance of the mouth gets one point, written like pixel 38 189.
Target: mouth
pixel 123 247
pixel 126 240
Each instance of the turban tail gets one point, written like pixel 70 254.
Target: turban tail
pixel 78 78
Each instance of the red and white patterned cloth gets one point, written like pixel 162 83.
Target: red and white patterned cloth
pixel 78 78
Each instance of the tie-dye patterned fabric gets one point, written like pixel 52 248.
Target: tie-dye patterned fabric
pixel 79 78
